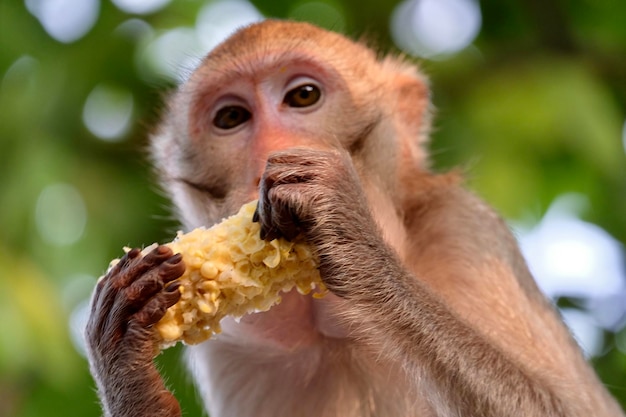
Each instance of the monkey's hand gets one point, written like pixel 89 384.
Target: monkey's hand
pixel 128 300
pixel 319 194
pixel 396 314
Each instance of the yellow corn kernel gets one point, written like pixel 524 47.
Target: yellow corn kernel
pixel 231 271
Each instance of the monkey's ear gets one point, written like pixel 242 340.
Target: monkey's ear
pixel 414 102
pixel 411 105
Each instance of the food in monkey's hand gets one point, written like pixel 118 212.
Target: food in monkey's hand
pixel 231 271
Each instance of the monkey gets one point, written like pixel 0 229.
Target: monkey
pixel 431 310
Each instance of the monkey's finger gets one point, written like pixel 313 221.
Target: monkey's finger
pixel 255 216
pixel 283 219
pixel 264 208
pixel 131 285
pixel 284 214
pixel 279 174
pixel 155 309
pixel 104 281
pixel 269 233
pixel 134 297
pixel 132 266
pixel 108 289
pixel 275 215
pixel 138 293
pixel 135 269
pixel 298 156
pixel 129 268
pixel 264 213
pixel 292 167
pixel 307 161
pixel 268 230
pixel 172 269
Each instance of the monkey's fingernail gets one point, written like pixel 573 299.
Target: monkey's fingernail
pixel 173 287
pixel 291 233
pixel 161 250
pixel 270 235
pixel 175 259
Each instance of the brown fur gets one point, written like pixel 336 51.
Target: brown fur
pixel 433 311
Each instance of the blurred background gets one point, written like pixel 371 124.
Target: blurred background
pixel 531 99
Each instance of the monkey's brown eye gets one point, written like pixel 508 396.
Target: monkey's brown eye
pixel 303 96
pixel 230 117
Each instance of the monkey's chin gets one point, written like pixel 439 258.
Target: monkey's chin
pixel 299 321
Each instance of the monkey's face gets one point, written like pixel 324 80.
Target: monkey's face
pixel 256 94
pixel 280 86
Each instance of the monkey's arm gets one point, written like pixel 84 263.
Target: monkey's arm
pixel 414 315
pixel 121 346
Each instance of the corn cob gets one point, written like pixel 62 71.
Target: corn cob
pixel 231 271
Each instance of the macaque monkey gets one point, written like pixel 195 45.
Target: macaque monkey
pixel 432 310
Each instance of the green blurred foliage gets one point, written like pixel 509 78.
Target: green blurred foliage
pixel 533 110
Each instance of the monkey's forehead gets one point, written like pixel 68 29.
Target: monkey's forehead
pixel 273 40
pixel 256 65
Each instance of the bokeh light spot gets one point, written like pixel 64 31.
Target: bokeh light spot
pixel 216 21
pixel 108 112
pixel 579 260
pixel 76 298
pixel 140 6
pixel 573 258
pixel 65 20
pixel 172 55
pixel 589 336
pixel 435 28
pixel 135 29
pixel 624 136
pixel 60 214
pixel 21 74
pixel 77 324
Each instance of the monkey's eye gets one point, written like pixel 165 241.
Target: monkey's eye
pixel 303 96
pixel 229 117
